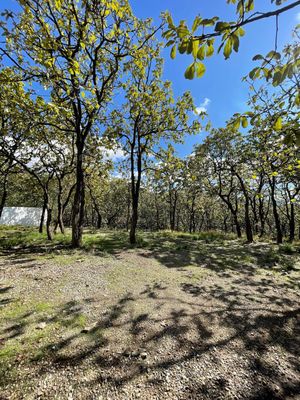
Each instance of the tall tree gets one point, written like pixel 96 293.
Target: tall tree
pixel 149 116
pixel 74 49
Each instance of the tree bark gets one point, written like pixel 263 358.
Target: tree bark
pixel 41 228
pixel 79 198
pixel 279 235
pixel 134 221
pixel 135 188
pixel 4 194
pixel 99 219
pixel 248 226
pixel 249 233
pixel 48 224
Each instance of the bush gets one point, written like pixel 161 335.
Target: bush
pixel 271 257
pixel 287 248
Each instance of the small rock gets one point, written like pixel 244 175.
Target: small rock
pixel 135 353
pixel 42 325
pixel 89 328
pixel 75 308
pixel 143 355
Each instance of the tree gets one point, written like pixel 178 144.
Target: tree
pixel 213 156
pixel 149 116
pixel 74 50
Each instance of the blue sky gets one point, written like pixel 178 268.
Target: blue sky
pixel 221 84
pixel 221 90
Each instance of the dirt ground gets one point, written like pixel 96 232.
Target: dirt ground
pixel 174 319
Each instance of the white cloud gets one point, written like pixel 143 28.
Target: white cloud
pixel 202 108
pixel 113 154
pixel 298 17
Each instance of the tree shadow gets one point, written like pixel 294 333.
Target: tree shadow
pixel 211 330
pixel 235 333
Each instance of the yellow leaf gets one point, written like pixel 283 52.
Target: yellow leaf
pixel 278 124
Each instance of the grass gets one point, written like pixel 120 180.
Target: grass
pixel 74 321
pixel 105 241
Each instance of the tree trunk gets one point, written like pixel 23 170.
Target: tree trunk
pixel 59 223
pixel 4 195
pixel 225 223
pixel 292 223
pixel 78 205
pixel 43 216
pixel 134 220
pixel 48 223
pixel 279 235
pixel 262 217
pixel 135 190
pixel 173 205
pixel 237 226
pixel 99 219
pixel 234 212
pixel 248 226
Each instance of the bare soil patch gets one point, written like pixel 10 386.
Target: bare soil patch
pixel 176 319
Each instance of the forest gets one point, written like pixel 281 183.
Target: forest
pixel 189 252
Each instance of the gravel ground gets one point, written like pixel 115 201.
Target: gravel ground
pixel 203 322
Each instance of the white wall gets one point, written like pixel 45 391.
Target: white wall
pixel 26 216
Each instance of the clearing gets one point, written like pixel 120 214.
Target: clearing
pixel 179 317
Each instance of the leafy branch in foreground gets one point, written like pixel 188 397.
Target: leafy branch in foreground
pixel 199 40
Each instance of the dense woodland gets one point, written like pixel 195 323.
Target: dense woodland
pixel 80 84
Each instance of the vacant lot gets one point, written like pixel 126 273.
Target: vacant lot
pixel 179 317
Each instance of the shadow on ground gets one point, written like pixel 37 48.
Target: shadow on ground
pixel 222 336
pixel 235 334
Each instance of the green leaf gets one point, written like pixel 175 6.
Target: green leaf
pixel 254 73
pixel 182 47
pixel 195 47
pixel 250 5
pixel 227 48
pixel 240 32
pixel 201 53
pixel 210 50
pixel 277 78
pixel 200 69
pixel 273 54
pixel 236 43
pixel 236 124
pixel 278 124
pixel 190 72
pixel 170 21
pixel 208 22
pixel 196 23
pixel 220 26
pixel 173 52
pixel 190 46
pixel 244 122
pixel 182 32
pixel 257 57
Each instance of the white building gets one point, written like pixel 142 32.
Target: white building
pixel 26 216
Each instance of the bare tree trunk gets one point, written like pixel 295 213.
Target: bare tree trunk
pixel 41 228
pixel 79 198
pixel 48 224
pixel 279 235
pixel 4 194
pixel 248 226
pixel 135 190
